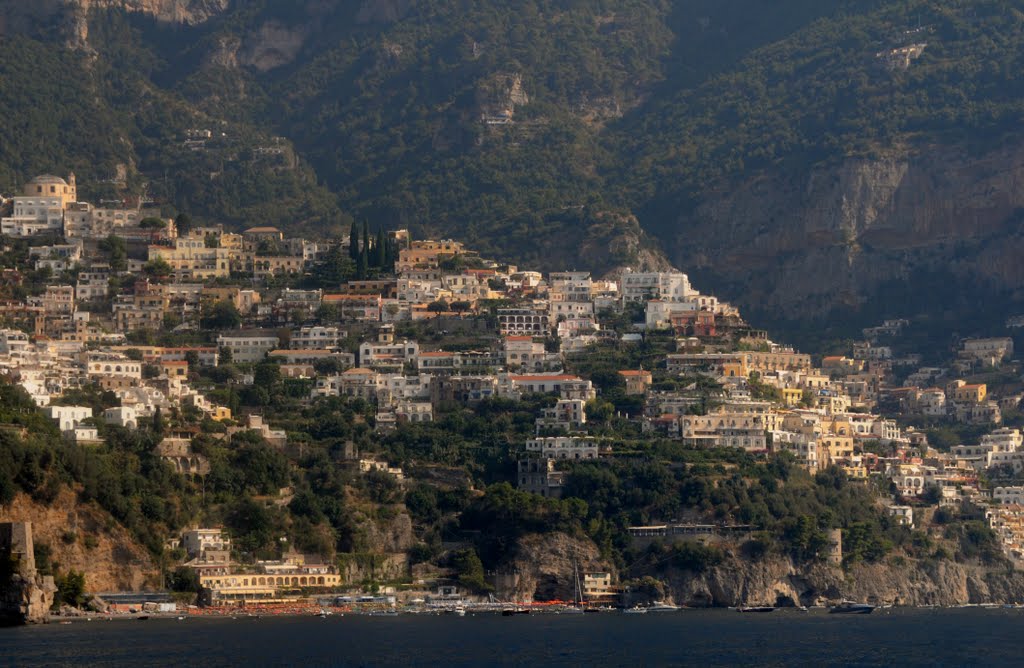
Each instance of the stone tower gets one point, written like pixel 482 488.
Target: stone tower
pixel 25 596
pixel 835 547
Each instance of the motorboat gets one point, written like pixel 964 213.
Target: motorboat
pixel 852 608
pixel 661 606
pixel 756 608
pixel 635 610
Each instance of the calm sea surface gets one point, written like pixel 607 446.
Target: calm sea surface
pixel 886 638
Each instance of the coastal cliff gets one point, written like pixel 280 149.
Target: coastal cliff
pixel 83 538
pixel 25 594
pixel 540 567
pixel 778 581
pixel 811 242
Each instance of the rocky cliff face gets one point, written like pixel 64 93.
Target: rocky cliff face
pixel 777 581
pixel 26 599
pixel 540 567
pixel 72 16
pixel 809 242
pixel 84 538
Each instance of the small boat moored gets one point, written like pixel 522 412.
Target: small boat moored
pixel 756 608
pixel 636 610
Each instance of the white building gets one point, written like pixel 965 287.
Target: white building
pixel 639 287
pixel 316 338
pixel 122 416
pixel 68 417
pixel 40 209
pixel 248 347
pixel 563 447
pixel 1009 496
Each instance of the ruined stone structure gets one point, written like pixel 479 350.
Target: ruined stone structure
pixel 25 596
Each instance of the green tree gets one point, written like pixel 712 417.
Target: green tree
pixel 222 315
pixel 183 223
pixel 70 589
pixel 353 242
pixel 158 268
pixel 471 571
pixel 116 251
pixel 380 255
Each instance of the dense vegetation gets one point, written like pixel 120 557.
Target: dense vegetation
pixel 629 105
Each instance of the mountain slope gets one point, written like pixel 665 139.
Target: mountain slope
pixel 765 148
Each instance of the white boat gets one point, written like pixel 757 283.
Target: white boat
pixel 635 610
pixel 459 611
pixel 852 608
pixel 661 606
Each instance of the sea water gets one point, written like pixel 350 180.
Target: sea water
pixel 894 637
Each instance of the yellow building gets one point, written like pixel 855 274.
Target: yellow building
pixel 427 254
pixel 190 257
pixel 637 382
pixel 970 394
pixel 834 449
pixel 220 413
pixel 778 361
pixel 792 396
pixel 53 187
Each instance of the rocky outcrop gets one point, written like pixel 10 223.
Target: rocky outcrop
pixel 84 538
pixel 272 45
pixel 540 567
pixel 614 241
pixel 777 581
pixel 363 567
pixel 189 12
pixel 72 16
pixel 808 242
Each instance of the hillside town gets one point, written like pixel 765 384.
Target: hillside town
pixel 117 319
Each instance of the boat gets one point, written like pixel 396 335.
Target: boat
pixel 459 611
pixel 577 593
pixel 756 608
pixel 852 608
pixel 635 610
pixel 384 613
pixel 509 612
pixel 661 606
pixel 142 618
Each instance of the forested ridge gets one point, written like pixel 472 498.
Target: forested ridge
pixel 514 127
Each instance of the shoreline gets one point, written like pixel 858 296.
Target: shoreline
pixel 329 611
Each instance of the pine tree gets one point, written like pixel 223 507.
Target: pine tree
pixel 353 242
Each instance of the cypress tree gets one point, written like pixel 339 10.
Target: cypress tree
pixel 353 242
pixel 361 265
pixel 366 241
pixel 380 252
